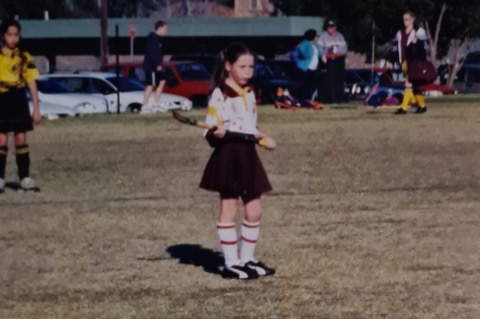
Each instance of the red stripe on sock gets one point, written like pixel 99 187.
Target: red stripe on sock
pixel 251 226
pixel 248 240
pixel 224 242
pixel 225 226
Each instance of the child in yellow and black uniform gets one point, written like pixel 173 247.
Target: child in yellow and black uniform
pixel 411 43
pixel 17 71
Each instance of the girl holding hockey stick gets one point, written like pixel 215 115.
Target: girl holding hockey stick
pixel 234 169
pixel 17 72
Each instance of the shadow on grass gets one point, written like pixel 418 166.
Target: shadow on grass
pixel 198 256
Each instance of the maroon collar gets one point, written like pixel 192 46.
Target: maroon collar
pixel 230 92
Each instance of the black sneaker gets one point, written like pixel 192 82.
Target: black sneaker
pixel 260 268
pixel 400 112
pixel 421 110
pixel 239 272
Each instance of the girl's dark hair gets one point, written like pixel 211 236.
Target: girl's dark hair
pixel 230 55
pixel 7 23
pixel 310 34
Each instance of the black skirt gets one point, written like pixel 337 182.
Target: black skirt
pixel 15 112
pixel 235 168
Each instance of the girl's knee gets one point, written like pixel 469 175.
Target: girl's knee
pixel 253 210
pixel 20 139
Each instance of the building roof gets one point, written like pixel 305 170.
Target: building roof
pixel 178 27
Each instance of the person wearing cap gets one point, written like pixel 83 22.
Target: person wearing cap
pixel 307 55
pixel 332 71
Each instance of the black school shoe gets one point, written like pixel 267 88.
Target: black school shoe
pixel 260 268
pixel 400 112
pixel 421 110
pixel 239 272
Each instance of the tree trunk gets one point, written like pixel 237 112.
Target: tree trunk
pixel 434 40
pixel 188 8
pixel 103 32
pixel 168 9
pixel 460 50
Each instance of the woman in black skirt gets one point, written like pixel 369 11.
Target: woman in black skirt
pixel 17 72
pixel 234 169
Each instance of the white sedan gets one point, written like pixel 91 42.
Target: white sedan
pixel 51 91
pixel 130 92
pixel 54 111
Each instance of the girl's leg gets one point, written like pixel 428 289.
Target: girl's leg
pixel 249 236
pixel 422 108
pixel 226 230
pixel 3 158
pixel 250 230
pixel 22 155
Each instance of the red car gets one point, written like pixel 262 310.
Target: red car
pixel 184 78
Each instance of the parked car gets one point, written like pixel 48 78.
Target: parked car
pixel 131 92
pixel 53 111
pixel 472 58
pixel 51 91
pixel 264 80
pixel 468 79
pixel 184 78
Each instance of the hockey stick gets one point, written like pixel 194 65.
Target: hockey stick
pixel 233 135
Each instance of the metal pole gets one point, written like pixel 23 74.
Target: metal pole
pixel 117 65
pixel 132 39
pixel 373 53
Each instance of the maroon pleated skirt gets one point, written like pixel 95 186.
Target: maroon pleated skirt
pixel 235 168
pixel 15 112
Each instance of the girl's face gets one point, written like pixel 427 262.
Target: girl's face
pixel 408 20
pixel 11 38
pixel 241 71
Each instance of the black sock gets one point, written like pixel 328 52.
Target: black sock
pixel 3 160
pixel 23 161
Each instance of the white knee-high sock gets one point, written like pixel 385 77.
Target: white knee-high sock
pixel 228 240
pixel 249 236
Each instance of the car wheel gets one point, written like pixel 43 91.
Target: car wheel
pixel 134 108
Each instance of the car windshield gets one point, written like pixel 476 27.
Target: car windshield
pixel 192 72
pixel 49 86
pixel 126 84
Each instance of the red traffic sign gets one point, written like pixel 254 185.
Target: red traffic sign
pixel 131 31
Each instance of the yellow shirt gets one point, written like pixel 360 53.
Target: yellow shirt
pixel 16 69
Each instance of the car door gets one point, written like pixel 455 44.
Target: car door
pixel 472 80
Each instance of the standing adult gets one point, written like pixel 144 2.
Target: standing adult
pixel 307 55
pixel 152 65
pixel 332 69
pixel 411 44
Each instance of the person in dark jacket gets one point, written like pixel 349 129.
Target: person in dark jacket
pixel 410 46
pixel 152 65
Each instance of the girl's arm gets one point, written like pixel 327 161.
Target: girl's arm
pixel 36 116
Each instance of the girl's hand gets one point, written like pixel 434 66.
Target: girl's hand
pixel 36 117
pixel 219 132
pixel 270 143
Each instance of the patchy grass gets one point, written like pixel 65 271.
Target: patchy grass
pixel 372 216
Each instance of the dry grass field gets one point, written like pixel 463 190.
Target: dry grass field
pixel 372 216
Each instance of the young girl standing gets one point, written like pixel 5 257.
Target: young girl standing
pixel 234 169
pixel 17 71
